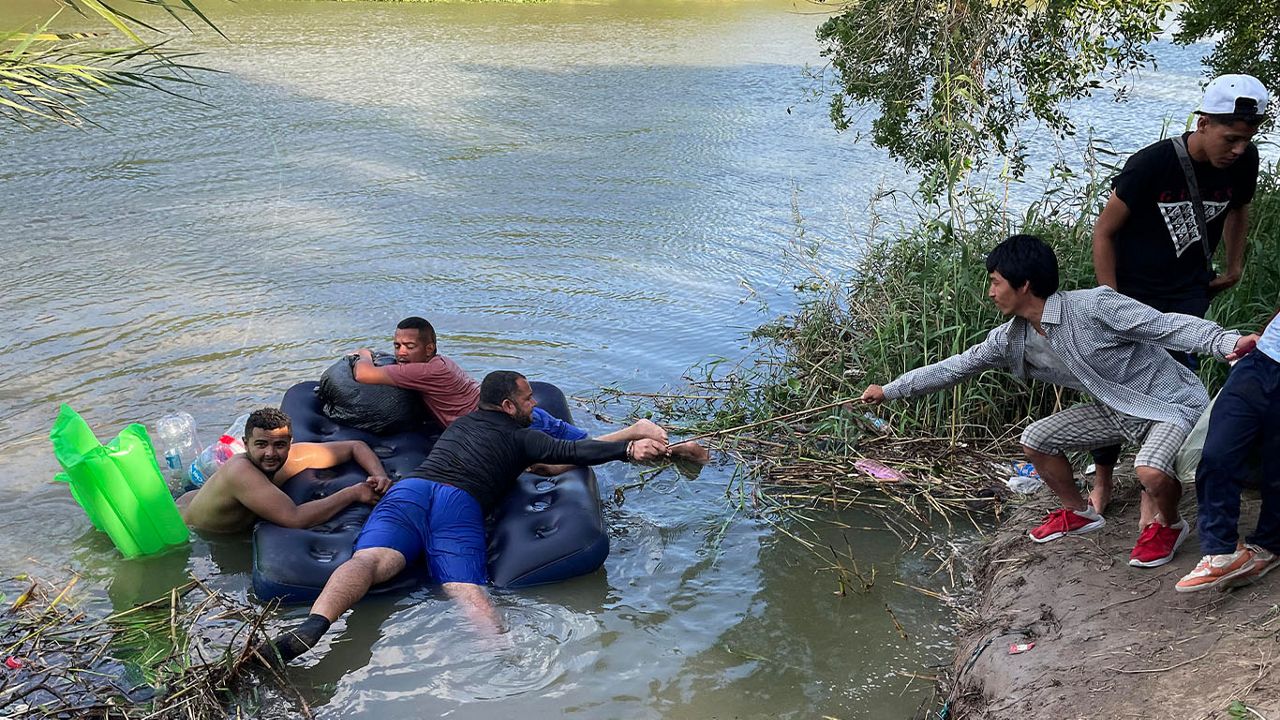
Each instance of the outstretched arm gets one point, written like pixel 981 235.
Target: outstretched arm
pixel 332 454
pixel 1133 320
pixel 638 430
pixel 643 450
pixel 641 429
pixel 271 504
pixel 990 353
pixel 541 448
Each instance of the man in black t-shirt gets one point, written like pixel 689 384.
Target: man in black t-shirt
pixel 1147 242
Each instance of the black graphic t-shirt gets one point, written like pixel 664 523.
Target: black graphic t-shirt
pixel 1158 251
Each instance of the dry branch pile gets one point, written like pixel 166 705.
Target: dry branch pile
pixel 813 457
pixel 183 655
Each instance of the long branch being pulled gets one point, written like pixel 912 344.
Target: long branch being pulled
pixel 777 418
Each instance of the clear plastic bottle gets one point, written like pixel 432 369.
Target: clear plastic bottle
pixel 212 457
pixel 880 424
pixel 176 435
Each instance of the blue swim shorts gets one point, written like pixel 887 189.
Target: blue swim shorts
pixel 420 518
pixel 555 427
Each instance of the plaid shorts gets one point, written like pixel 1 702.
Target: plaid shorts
pixel 1086 427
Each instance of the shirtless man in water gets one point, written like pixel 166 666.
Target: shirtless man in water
pixel 247 487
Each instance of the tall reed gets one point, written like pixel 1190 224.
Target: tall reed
pixel 1247 305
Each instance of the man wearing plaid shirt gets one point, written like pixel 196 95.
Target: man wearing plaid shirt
pixel 1104 344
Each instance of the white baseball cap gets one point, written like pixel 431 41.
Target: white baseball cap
pixel 1234 95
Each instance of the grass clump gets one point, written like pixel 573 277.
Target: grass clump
pixel 182 655
pixel 1247 305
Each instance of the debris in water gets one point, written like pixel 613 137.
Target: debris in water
pixel 878 470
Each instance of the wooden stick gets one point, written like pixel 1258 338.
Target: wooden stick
pixel 788 416
pixel 1162 669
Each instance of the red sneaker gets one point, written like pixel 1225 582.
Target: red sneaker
pixel 1157 544
pixel 1067 522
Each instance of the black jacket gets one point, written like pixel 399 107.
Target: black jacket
pixel 484 452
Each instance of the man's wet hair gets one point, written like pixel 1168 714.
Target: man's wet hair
pixel 267 418
pixel 1026 258
pixel 497 386
pixel 425 332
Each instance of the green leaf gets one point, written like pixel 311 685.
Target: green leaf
pixel 113 17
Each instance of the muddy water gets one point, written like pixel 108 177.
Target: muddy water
pixel 593 193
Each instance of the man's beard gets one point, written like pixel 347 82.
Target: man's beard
pixel 271 474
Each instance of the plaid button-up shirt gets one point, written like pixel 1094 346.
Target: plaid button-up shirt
pixel 1113 345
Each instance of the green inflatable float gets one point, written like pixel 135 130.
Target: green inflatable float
pixel 119 485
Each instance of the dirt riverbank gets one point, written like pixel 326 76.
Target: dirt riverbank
pixel 1112 641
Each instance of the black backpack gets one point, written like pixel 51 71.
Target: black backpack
pixel 379 409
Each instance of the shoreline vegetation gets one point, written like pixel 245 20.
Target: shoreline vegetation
pixel 915 296
pixel 181 656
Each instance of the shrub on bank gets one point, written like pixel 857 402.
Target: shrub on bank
pixel 915 297
pixel 1247 305
pixel 921 296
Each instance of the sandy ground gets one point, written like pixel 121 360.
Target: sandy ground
pixel 1113 641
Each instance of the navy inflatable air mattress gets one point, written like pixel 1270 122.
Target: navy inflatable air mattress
pixel 548 529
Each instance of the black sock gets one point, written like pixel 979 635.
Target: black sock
pixel 292 643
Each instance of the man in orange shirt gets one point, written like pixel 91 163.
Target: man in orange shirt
pixel 446 389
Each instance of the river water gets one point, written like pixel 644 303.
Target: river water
pixel 592 193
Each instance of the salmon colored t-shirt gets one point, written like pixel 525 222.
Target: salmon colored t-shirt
pixel 447 389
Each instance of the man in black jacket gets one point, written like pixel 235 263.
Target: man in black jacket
pixel 437 514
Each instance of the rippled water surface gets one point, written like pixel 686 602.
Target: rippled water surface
pixel 593 193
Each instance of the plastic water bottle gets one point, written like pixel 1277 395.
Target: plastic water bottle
pixel 176 433
pixel 211 458
pixel 880 424
pixel 197 471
